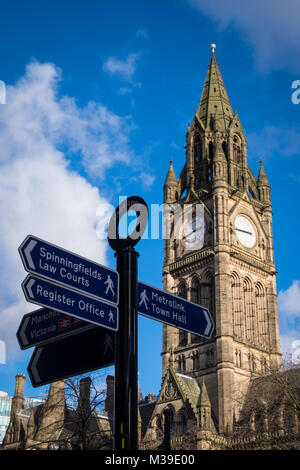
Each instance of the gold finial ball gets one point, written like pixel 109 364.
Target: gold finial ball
pixel 213 46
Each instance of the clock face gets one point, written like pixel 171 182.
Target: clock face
pixel 245 231
pixel 192 234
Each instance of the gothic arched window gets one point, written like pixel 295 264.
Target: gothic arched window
pixel 249 310
pixel 261 311
pixel 197 148
pixel 236 149
pixel 181 425
pixel 238 317
pixel 182 292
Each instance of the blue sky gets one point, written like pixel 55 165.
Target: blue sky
pixel 99 96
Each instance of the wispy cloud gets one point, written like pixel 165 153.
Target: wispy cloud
pixel 271 27
pixel 142 33
pixel 124 69
pixel 273 140
pixel 146 180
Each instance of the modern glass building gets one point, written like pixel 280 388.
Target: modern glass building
pixel 5 407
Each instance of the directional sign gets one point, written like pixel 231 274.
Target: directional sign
pixel 44 293
pixel 175 311
pixel 74 355
pixel 44 325
pixel 57 264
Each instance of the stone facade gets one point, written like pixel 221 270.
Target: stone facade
pixel 221 259
pixel 57 424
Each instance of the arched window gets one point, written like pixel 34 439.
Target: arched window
pixel 249 310
pixel 237 314
pixel 197 148
pixel 261 311
pixel 195 291
pixel 236 149
pixel 181 425
pixel 202 294
pixel 182 292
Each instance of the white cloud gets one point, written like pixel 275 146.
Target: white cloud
pixel 271 27
pixel 289 300
pixel 39 194
pixel 289 315
pixel 124 69
pixel 284 141
pixel 146 180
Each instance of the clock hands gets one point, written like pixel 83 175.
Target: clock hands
pixel 244 231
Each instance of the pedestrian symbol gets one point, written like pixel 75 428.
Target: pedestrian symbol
pixel 143 299
pixel 108 344
pixel 110 285
pixel 111 317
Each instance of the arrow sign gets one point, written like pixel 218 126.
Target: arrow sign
pixel 42 292
pixel 87 351
pixel 175 311
pixel 44 325
pixel 64 267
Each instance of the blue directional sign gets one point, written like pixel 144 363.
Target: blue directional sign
pixel 61 266
pixel 46 325
pixel 175 311
pixel 44 293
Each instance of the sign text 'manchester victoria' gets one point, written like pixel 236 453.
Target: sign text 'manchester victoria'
pixel 45 325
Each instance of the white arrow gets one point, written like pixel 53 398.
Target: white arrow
pixel 34 370
pixel 209 322
pixel 22 332
pixel 27 253
pixel 29 288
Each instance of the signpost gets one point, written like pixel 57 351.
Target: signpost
pixel 74 355
pixel 175 311
pixel 78 294
pixel 62 299
pixel 126 378
pixel 45 325
pixel 64 267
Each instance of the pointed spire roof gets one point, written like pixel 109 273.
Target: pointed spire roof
pixel 204 400
pixel 262 179
pixel 214 101
pixel 171 177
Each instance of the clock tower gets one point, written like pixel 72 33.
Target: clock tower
pixel 221 257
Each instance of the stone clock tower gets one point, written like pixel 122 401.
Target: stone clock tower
pixel 223 259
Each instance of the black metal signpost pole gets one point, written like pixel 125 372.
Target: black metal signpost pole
pixel 126 377
pixel 167 430
pixel 126 387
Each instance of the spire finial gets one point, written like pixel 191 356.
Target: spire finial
pixel 213 46
pixel 260 161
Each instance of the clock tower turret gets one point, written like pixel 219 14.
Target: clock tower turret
pixel 224 257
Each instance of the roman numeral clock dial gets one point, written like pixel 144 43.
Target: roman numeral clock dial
pixel 245 231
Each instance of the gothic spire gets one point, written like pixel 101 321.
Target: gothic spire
pixel 214 103
pixel 262 179
pixel 171 177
